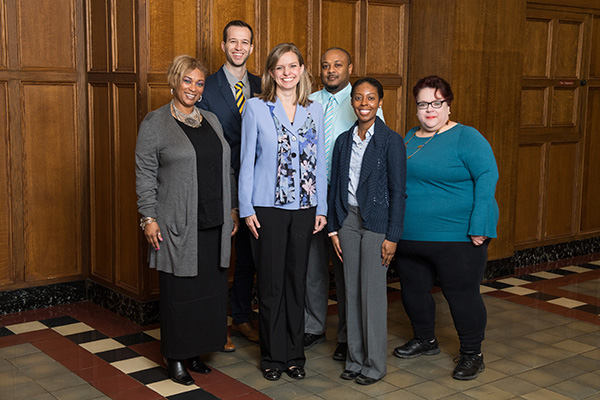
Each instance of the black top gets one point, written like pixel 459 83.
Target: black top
pixel 209 158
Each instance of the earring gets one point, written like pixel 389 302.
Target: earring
pixel 449 112
pixel 200 99
pixel 171 90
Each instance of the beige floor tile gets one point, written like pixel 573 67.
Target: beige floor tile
pixel 521 291
pixel 23 391
pixel 458 396
pixel 134 364
pixel 403 379
pixel 488 392
pixel 430 390
pixel 377 389
pixel 287 391
pixel 169 388
pixel 513 281
pixel 13 377
pixel 316 384
pixel 55 383
pixel 45 370
pixel 577 269
pixel 563 370
pixel 400 394
pixel 18 350
pixel 591 380
pixel 219 359
pixel 529 359
pixel 81 392
pixel 31 360
pixel 26 327
pixel 343 393
pixel 574 346
pixel 72 329
pixel 546 275
pixel 240 369
pixel 515 386
pixel 573 390
pixel 545 394
pixel 568 303
pixel 540 378
pixel 507 366
pixel 155 333
pixel 595 354
pixel 553 353
pixel 486 289
pixel 256 381
pixel 583 362
pixel 98 346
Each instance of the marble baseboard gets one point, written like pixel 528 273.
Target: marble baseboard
pixel 145 313
pixel 13 301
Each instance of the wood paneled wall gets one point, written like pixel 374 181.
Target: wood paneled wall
pixel 43 143
pixel 78 76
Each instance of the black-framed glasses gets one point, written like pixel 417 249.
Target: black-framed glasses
pixel 424 105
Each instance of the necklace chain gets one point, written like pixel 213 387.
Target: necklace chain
pixel 419 147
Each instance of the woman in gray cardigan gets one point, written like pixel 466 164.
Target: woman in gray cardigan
pixel 188 202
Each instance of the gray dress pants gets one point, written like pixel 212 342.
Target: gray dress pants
pixel 366 297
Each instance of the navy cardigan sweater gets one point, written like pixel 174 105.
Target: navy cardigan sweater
pixel 381 192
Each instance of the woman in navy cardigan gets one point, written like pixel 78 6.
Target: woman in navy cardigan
pixel 366 215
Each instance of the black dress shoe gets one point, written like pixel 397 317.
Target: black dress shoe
pixel 469 366
pixel 340 352
pixel 196 365
pixel 310 340
pixel 417 347
pixel 349 375
pixel 178 373
pixel 296 372
pixel 271 374
pixel 365 380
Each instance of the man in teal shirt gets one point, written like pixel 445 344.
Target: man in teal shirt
pixel 338 117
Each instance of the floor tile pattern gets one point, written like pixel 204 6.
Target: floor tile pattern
pixel 542 342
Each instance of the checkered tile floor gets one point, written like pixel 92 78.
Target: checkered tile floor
pixel 99 355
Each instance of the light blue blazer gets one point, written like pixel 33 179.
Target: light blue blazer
pixel 258 170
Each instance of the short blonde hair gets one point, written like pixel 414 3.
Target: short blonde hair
pixel 268 86
pixel 180 66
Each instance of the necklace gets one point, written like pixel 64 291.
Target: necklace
pixel 193 120
pixel 423 145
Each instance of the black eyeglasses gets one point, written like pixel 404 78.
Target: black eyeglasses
pixel 424 105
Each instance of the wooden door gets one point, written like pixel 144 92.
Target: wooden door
pixel 553 98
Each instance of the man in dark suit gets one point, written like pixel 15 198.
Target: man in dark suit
pixel 225 93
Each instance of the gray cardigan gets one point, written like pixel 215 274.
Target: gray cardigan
pixel 167 188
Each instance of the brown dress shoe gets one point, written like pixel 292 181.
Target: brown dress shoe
pixel 247 330
pixel 229 346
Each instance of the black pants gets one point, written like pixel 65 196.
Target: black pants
pixel 243 278
pixel 281 258
pixel 459 267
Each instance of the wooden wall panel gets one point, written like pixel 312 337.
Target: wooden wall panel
pixel 3 47
pixel 561 190
pixel 124 35
pixel 52 196
pixel 158 96
pixel 565 110
pixel 528 215
pixel 220 14
pixel 340 27
pixel 386 43
pixel 283 29
pixel 101 183
pixel 98 38
pixel 6 273
pixel 46 30
pixel 567 61
pixel 534 107
pixel 595 54
pixel 536 60
pixel 127 273
pixel 590 212
pixel 172 30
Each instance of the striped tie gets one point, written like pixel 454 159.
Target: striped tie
pixel 240 100
pixel 328 122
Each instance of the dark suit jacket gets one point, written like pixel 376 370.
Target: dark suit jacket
pixel 381 192
pixel 218 99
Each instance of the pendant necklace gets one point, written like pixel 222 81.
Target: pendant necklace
pixel 423 145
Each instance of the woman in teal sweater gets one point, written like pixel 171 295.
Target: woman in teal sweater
pixel 451 214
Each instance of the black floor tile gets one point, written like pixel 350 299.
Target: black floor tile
pixel 561 271
pixel 85 337
pixel 530 278
pixel 134 338
pixel 589 308
pixel 497 285
pixel 59 321
pixel 111 356
pixel 541 296
pixel 5 332
pixel 197 394
pixel 151 375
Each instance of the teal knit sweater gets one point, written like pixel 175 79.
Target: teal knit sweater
pixel 450 186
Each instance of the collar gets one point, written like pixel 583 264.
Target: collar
pixel 232 80
pixel 339 96
pixel 356 138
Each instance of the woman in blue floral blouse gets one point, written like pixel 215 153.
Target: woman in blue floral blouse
pixel 283 197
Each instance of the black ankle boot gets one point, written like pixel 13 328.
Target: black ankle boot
pixel 198 366
pixel 178 373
